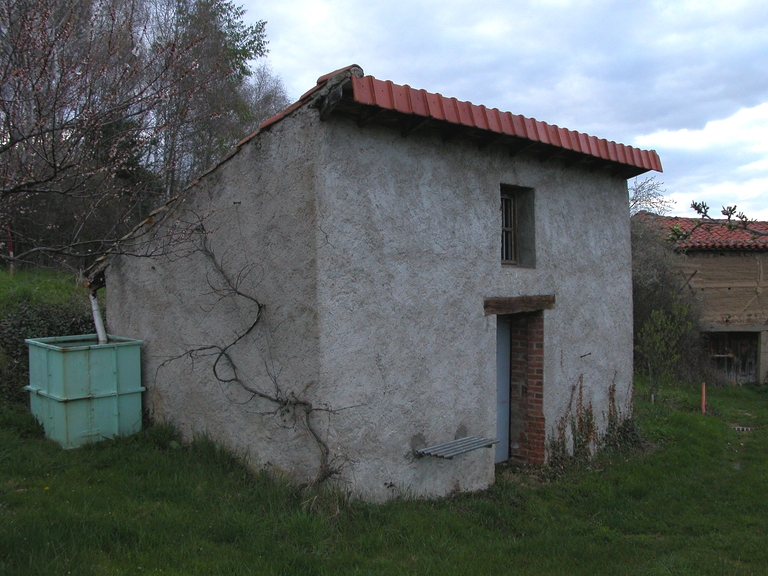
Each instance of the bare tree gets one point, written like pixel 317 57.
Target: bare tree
pixel 648 195
pixel 734 219
pixel 266 95
pixel 109 106
pixel 78 83
pixel 211 111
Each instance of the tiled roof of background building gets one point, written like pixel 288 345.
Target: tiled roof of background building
pixel 713 234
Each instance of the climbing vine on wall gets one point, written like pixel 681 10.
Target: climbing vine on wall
pixel 293 409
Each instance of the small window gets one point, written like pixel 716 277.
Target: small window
pixel 508 230
pixel 518 245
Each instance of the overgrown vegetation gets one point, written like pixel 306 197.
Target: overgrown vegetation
pixel 659 341
pixel 690 502
pixel 35 305
pixel 668 344
pixel 621 433
pixel 576 440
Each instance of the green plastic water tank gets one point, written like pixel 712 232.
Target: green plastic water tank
pixel 82 391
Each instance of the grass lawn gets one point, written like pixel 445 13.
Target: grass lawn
pixel 692 502
pixel 33 286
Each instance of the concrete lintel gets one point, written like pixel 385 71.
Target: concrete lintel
pixel 517 304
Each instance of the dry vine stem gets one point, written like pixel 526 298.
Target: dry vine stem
pixel 302 410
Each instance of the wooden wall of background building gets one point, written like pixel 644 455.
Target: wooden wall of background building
pixel 732 286
pixel 733 289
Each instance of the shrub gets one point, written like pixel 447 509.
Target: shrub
pixel 25 317
pixel 659 341
pixel 666 311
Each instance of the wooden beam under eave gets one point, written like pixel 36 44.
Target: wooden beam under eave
pixel 485 142
pixel 548 153
pixel 570 158
pixel 409 127
pixel 369 116
pixel 451 134
pixel 616 169
pixel 330 102
pixel 592 164
pixel 518 304
pixel 520 146
pixel 632 172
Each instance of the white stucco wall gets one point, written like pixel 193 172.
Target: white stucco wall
pixel 373 254
pixel 258 210
pixel 408 248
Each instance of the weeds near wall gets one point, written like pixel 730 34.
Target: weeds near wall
pixel 621 433
pixel 583 430
pixel 576 439
pixel 575 433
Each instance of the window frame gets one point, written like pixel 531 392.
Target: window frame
pixel 518 226
pixel 509 228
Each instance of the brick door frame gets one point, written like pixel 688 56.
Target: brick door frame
pixel 527 424
pixel 527 387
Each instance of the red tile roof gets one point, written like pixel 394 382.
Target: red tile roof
pixel 712 234
pixel 385 94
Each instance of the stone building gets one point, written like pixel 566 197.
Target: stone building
pixel 726 270
pixel 378 270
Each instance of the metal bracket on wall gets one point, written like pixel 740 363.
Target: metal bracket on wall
pixel 455 447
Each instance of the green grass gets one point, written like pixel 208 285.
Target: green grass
pixel 691 502
pixel 35 286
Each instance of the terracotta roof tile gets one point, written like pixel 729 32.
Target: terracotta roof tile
pixel 712 235
pixel 385 94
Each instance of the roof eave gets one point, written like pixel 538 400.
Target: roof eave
pixel 409 123
pixel 371 100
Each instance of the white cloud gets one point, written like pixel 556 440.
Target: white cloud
pixel 747 128
pixel 748 196
pixel 491 29
pixel 732 166
pixel 689 76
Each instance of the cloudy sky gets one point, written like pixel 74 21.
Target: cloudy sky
pixel 687 78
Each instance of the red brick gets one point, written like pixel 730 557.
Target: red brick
pixel 527 393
